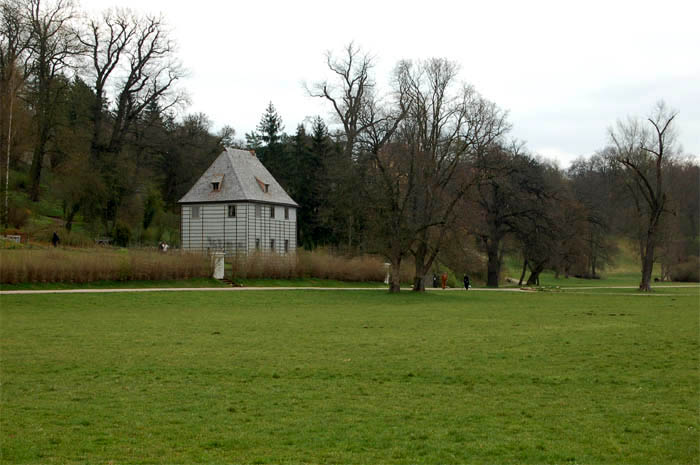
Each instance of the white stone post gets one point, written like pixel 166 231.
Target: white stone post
pixel 218 259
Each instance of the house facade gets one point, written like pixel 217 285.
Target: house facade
pixel 236 206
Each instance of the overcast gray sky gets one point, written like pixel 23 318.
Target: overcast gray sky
pixel 565 71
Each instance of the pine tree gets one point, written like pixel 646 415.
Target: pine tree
pixel 302 184
pixel 270 126
pixel 273 154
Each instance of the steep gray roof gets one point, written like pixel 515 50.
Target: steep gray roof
pixel 242 178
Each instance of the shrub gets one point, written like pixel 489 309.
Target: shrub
pixel 318 264
pixel 18 216
pixel 81 266
pixel 122 234
pixel 688 271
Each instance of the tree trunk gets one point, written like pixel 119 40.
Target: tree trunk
pixel 35 171
pixel 534 278
pixel 494 263
pixel 647 267
pixel 6 211
pixel 522 275
pixel 70 215
pixel 421 268
pixel 96 148
pixel 395 278
pixel 419 284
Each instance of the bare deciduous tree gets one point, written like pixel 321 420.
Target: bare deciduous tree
pixel 351 94
pixel 447 124
pixel 134 67
pixel 52 46
pixel 105 40
pixel 508 198
pixel 368 122
pixel 135 57
pixel 645 153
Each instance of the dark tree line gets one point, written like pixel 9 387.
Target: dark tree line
pixel 422 172
pixel 434 165
pixel 93 101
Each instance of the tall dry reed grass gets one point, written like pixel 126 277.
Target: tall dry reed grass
pixel 317 264
pixel 87 265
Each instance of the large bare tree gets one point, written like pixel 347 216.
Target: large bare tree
pixel 508 199
pixel 447 125
pixel 368 121
pixel 133 68
pixel 52 46
pixel 350 92
pixel 134 58
pixel 416 143
pixel 645 151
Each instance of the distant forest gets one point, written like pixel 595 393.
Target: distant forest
pixel 93 134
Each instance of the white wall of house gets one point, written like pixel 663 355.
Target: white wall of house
pixel 252 227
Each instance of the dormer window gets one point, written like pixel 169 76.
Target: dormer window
pixel 215 182
pixel 263 185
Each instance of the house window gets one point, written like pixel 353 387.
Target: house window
pixel 231 211
pixel 272 211
pixel 286 245
pixel 286 213
pixel 258 211
pixel 215 186
pixel 272 245
pixel 195 212
pixel 257 244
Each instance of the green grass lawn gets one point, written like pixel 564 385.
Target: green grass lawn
pixel 349 377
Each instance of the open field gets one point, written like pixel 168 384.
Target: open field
pixel 349 377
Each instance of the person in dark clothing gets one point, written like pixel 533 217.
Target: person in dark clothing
pixel 467 283
pixel 435 280
pixel 55 239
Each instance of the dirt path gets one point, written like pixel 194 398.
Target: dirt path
pixel 243 289
pixel 238 289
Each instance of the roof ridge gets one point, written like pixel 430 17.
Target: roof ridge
pixel 233 168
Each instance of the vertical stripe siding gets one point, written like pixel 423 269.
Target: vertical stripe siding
pixel 211 231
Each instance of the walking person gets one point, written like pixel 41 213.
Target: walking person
pixel 444 279
pixel 55 239
pixel 467 283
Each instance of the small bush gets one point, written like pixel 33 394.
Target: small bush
pixel 122 235
pixel 18 216
pixel 688 271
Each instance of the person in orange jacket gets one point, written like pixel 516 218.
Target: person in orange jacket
pixel 444 279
